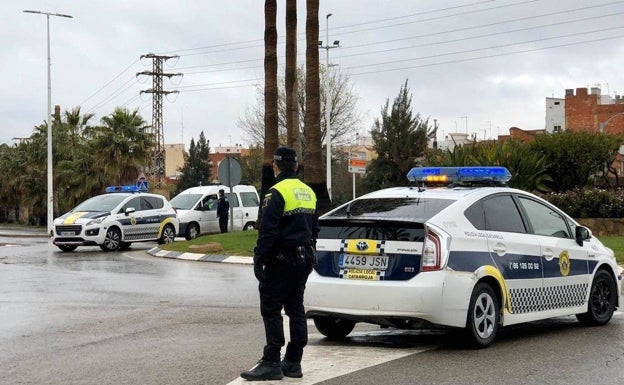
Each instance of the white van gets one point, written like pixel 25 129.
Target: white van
pixel 197 209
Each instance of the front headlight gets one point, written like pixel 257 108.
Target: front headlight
pixel 96 221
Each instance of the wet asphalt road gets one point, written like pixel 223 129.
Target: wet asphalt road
pixel 90 317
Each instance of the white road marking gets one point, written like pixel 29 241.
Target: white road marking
pixel 323 362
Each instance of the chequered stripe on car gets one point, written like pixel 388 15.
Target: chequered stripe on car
pixel 527 300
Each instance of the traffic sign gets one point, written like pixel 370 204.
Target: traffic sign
pixel 142 184
pixel 230 172
pixel 357 162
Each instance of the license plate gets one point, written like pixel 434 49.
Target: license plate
pixel 372 262
pixel 67 233
pixel 363 274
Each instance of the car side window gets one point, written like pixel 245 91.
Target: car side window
pixel 475 215
pixel 233 199
pixel 545 220
pixel 151 203
pixel 209 203
pixel 502 214
pixel 249 199
pixel 135 203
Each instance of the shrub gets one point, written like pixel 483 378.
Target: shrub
pixel 589 203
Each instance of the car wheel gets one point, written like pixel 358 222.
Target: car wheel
pixel 483 319
pixel 249 226
pixel 333 328
pixel 124 245
pixel 602 299
pixel 67 247
pixel 168 235
pixel 112 240
pixel 192 231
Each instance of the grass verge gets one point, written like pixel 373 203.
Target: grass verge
pixel 616 243
pixel 243 242
pixel 234 243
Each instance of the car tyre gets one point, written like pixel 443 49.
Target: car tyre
pixel 168 235
pixel 483 321
pixel 192 231
pixel 602 300
pixel 332 327
pixel 112 240
pixel 249 226
pixel 67 248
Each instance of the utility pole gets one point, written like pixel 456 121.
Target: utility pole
pixel 156 164
pixel 328 102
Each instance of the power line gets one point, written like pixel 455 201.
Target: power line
pixel 105 85
pixel 487 56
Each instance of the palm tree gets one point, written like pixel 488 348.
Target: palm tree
pixel 270 97
pixel 121 145
pixel 313 160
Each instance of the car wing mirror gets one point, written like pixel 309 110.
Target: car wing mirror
pixel 130 210
pixel 582 233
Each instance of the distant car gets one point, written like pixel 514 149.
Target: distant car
pixel 197 209
pixel 115 220
pixel 471 258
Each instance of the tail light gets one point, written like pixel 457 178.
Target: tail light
pixel 432 253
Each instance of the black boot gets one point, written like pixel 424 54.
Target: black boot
pixel 291 369
pixel 265 370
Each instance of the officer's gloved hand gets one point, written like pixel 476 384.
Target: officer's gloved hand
pixel 259 271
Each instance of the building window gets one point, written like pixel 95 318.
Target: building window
pixel 557 128
pixel 557 103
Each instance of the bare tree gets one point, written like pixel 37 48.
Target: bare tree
pixel 345 117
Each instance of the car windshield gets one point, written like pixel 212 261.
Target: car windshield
pixel 185 201
pixel 101 203
pixel 405 209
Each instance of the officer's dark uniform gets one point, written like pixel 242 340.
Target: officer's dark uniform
pixel 223 212
pixel 283 259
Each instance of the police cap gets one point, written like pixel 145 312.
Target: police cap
pixel 285 154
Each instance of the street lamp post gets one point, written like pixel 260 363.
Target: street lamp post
pixel 328 105
pixel 48 125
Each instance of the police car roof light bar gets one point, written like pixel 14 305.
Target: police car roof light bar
pixel 115 189
pixel 495 174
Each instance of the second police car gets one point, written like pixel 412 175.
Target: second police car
pixel 115 220
pixel 471 258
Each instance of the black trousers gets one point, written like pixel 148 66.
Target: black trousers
pixel 223 223
pixel 283 286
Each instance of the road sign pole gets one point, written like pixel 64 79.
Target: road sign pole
pixel 353 185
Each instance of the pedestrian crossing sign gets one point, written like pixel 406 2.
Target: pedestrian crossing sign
pixel 142 184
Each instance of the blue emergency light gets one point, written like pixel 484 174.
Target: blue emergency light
pixel 495 174
pixel 116 189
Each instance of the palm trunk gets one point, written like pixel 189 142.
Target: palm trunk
pixel 313 159
pixel 270 97
pixel 292 112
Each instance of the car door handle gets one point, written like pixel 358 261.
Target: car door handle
pixel 499 248
pixel 548 255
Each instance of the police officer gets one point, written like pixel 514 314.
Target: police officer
pixel 223 211
pixel 283 259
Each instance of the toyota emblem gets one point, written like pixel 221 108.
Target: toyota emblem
pixel 362 245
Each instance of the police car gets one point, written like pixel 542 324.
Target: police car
pixel 115 220
pixel 470 258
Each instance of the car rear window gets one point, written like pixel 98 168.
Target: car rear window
pixel 404 209
pixel 380 230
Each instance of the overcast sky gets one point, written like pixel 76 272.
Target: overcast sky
pixel 474 65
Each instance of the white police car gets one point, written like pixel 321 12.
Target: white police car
pixel 475 258
pixel 115 220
